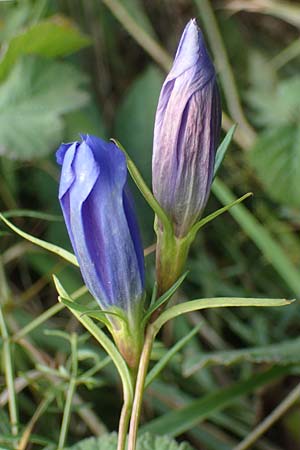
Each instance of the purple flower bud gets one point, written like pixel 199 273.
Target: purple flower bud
pixel 186 134
pixel 101 222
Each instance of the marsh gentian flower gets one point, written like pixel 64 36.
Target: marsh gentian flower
pixel 186 134
pixel 102 226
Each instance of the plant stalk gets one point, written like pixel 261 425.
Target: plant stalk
pixel 139 388
pixel 171 255
pixel 124 422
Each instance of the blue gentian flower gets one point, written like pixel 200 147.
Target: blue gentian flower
pixel 102 226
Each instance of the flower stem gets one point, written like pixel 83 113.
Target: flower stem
pixel 139 387
pixel 171 255
pixel 124 421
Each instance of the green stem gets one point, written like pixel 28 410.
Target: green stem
pixel 124 422
pixel 139 388
pixel 9 375
pixel 70 394
pixel 171 255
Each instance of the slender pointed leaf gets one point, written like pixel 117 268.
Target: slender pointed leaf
pixel 165 297
pixel 33 214
pixel 217 213
pixel 68 256
pixel 154 294
pixel 222 149
pixel 103 340
pixel 217 302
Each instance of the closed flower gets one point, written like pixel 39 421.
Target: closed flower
pixel 102 226
pixel 186 134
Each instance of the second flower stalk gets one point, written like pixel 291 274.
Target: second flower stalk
pixel 186 135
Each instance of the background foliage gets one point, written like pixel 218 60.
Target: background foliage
pixel 70 67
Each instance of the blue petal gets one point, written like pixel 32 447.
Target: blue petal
pixel 65 156
pixel 101 225
pixel 60 153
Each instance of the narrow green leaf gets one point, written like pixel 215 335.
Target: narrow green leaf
pixel 103 340
pixel 217 213
pixel 222 149
pixel 99 314
pixel 159 366
pixel 217 302
pixel 68 256
pixel 165 297
pixel 71 304
pixel 61 290
pixel 154 294
pixel 82 309
pixel 33 214
pixel 182 420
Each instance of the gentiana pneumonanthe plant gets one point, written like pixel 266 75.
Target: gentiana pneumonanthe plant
pixel 103 230
pixel 186 135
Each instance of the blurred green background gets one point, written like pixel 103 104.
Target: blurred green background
pixel 73 66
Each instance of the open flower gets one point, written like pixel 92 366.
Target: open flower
pixel 186 134
pixel 101 223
